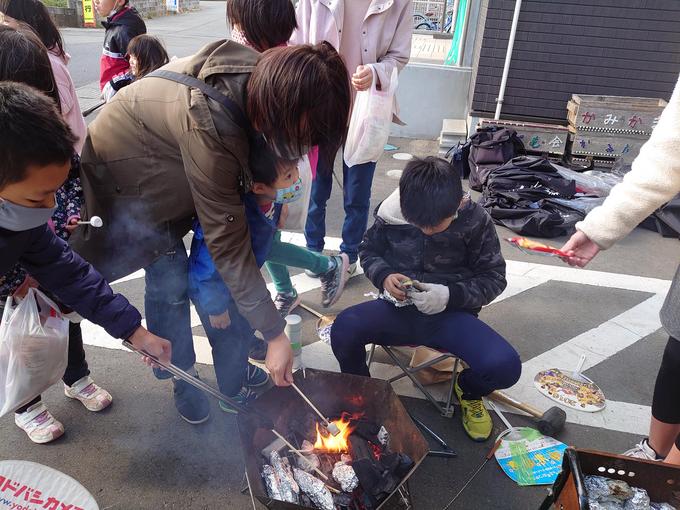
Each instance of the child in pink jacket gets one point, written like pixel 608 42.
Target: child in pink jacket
pixel 35 14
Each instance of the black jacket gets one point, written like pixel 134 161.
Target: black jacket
pixel 466 257
pixel 75 282
pixel 120 29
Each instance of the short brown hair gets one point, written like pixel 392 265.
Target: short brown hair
pixel 149 52
pixel 265 23
pixel 33 132
pixel 299 96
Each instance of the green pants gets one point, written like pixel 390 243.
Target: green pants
pixel 283 255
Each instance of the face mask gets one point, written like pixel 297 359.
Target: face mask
pixel 18 218
pixel 289 194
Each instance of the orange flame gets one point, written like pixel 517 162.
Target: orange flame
pixel 326 442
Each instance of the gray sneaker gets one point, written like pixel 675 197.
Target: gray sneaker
pixel 312 274
pixel 333 281
pixel 285 303
pixel 642 450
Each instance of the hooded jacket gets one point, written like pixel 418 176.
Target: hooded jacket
pixel 62 272
pixel 121 28
pixel 161 154
pixel 466 257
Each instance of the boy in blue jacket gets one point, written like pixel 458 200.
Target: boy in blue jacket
pixel 30 175
pixel 275 184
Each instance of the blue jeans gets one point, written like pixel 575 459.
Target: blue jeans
pixel 166 304
pixel 493 363
pixel 230 348
pixel 167 315
pixel 356 196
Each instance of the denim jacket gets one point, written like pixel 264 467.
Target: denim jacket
pixel 206 287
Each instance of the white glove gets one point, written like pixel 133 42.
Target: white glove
pixel 433 299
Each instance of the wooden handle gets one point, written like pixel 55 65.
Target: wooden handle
pixel 311 310
pixel 504 398
pixel 309 402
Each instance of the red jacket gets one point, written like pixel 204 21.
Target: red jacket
pixel 120 29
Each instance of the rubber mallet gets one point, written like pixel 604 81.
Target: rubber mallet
pixel 549 423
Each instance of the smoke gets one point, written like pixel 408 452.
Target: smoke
pixel 135 233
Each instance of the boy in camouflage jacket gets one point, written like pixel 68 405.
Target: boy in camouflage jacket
pixel 429 232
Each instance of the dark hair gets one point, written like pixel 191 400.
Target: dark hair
pixel 23 58
pixel 149 52
pixel 430 191
pixel 265 167
pixel 299 96
pixel 33 132
pixel 35 14
pixel 265 23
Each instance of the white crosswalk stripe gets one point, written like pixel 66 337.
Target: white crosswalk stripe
pixel 599 343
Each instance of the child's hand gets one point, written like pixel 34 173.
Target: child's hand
pixel 284 217
pixel 221 321
pixel 392 284
pixel 72 224
pixel 362 79
pixel 22 290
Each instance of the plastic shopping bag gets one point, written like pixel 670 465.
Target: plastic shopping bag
pixel 297 211
pixel 369 126
pixel 33 349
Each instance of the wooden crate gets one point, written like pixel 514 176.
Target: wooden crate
pixel 614 114
pixel 661 481
pixel 607 145
pixel 538 138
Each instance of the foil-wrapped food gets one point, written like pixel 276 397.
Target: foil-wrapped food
pixel 315 489
pixel 383 436
pixel 288 488
pixel 344 474
pixel 602 489
pixel 608 494
pixel 271 482
pixel 639 501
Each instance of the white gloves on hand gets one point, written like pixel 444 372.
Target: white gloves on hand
pixel 433 299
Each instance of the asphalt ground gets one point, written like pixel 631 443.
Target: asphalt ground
pixel 140 455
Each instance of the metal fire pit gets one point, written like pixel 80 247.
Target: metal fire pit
pixel 333 393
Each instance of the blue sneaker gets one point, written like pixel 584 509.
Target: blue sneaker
pixel 256 377
pixel 243 397
pixel 191 403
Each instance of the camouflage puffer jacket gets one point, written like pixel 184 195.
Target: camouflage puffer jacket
pixel 466 257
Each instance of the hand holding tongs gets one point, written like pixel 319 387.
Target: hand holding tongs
pixel 197 383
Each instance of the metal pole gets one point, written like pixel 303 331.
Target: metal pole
pixel 463 34
pixel 443 20
pixel 508 57
pixel 454 15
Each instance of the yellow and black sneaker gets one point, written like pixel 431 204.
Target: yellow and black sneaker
pixel 477 421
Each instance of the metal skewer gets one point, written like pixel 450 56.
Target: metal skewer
pixel 197 383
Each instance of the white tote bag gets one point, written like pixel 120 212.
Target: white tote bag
pixel 297 211
pixel 369 126
pixel 33 349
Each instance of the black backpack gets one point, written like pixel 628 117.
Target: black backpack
pixel 458 157
pixel 491 147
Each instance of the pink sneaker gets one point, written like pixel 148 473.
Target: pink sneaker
pixel 39 424
pixel 90 395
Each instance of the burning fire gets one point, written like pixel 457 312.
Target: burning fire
pixel 327 442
